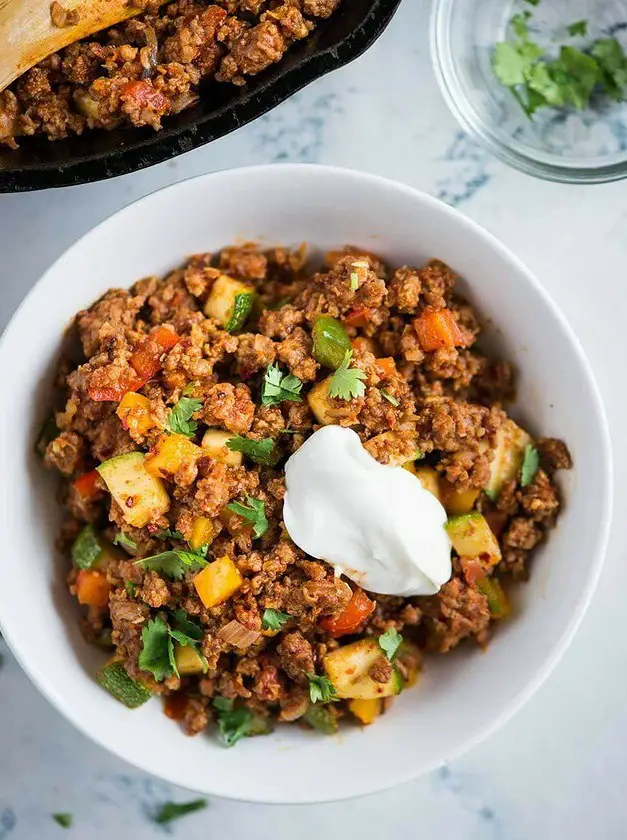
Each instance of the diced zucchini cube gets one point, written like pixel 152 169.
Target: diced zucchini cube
pixel 348 667
pixel 508 456
pixel 472 536
pixel 229 302
pixel 141 496
pixel 214 445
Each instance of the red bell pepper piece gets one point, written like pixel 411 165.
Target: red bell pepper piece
pixel 87 485
pixel 355 613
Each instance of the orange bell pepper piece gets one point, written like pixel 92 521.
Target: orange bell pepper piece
pixel 92 588
pixel 387 367
pixel 87 485
pixel 355 613
pixel 437 329
pixel 134 413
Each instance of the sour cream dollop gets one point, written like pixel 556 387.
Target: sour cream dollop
pixel 376 524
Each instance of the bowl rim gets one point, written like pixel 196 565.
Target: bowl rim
pixel 472 123
pixel 399 774
pixel 145 148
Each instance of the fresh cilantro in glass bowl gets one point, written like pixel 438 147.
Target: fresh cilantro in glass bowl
pixel 541 83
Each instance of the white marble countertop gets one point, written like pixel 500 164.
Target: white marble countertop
pixel 558 768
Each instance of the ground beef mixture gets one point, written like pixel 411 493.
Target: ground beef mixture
pixel 150 66
pixel 230 621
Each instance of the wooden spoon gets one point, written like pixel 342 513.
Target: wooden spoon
pixel 30 30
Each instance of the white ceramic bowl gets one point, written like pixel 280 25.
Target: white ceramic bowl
pixel 462 697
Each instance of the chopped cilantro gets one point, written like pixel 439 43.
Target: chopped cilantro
pixel 537 81
pixel 321 689
pixel 389 642
pixel 579 27
pixel 167 534
pixel 347 382
pixel 254 513
pixel 158 639
pixel 236 723
pixel 180 420
pixel 63 819
pixel 183 623
pixel 274 619
pixel 130 588
pixel 173 810
pixel 391 399
pixel 278 386
pixel 125 541
pixel 174 563
pixel 260 451
pixel 530 464
pixel 157 652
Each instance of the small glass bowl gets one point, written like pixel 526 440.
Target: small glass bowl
pixel 569 146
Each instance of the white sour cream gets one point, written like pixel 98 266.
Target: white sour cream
pixel 376 524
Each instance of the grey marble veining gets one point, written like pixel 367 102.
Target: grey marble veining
pixel 557 770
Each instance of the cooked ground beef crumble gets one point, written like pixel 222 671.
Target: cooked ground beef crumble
pixel 150 66
pixel 170 370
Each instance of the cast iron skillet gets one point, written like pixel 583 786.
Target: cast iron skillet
pixel 39 164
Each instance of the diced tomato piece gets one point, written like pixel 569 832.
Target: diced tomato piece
pixel 355 613
pixel 357 317
pixel 87 485
pixel 387 367
pixel 146 360
pixel 436 329
pixel 92 588
pixel 175 705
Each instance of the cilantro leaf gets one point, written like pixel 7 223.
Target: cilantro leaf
pixel 321 689
pixel 233 723
pixel 533 2
pixel 612 60
pixel 579 27
pixel 174 563
pixel 577 74
pixel 274 619
pixel 254 513
pixel 173 810
pixel 125 541
pixel 130 588
pixel 508 64
pixel 389 642
pixel 167 534
pixel 156 656
pixel 260 451
pixel 63 819
pixel 184 624
pixel 347 382
pixel 182 638
pixel 519 25
pixel 179 418
pixel 389 397
pixel 530 464
pixel 278 386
